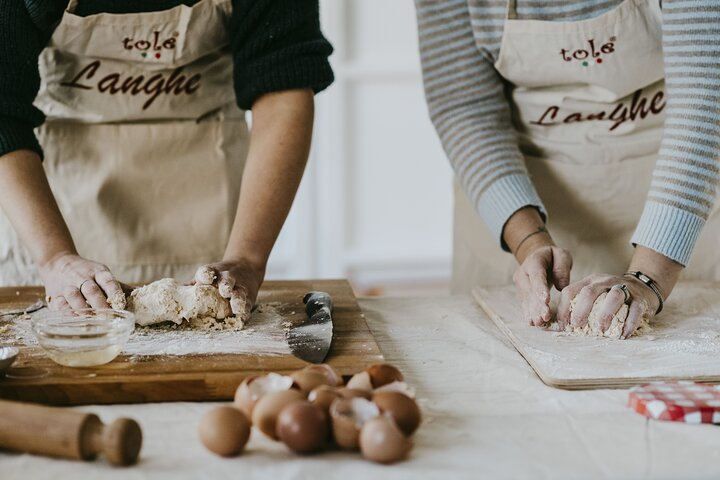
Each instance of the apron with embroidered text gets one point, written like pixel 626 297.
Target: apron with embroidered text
pixel 587 100
pixel 144 144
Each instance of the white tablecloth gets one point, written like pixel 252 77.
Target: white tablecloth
pixel 487 415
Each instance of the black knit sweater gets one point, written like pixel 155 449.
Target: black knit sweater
pixel 276 45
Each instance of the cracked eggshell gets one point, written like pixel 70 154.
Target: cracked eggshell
pixel 269 406
pixel 400 387
pixel 360 381
pixel 307 380
pixel 303 427
pixel 323 396
pixel 224 430
pixel 348 415
pixel 334 379
pixel 382 441
pixel 401 408
pixel 354 392
pixel 252 388
pixel 382 374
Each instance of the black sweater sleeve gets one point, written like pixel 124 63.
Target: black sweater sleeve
pixel 277 45
pixel 21 40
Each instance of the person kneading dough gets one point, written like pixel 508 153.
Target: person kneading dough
pixel 585 136
pixel 141 165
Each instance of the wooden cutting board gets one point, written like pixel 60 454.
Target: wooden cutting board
pixel 684 343
pixel 178 367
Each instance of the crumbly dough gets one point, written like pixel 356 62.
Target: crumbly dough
pixel 168 300
pixel 592 328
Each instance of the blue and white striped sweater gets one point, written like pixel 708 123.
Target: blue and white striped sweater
pixel 459 44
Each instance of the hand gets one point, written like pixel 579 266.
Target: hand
pixel 72 282
pixel 533 282
pixel 238 281
pixel 642 302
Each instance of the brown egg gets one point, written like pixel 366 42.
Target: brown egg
pixel 268 407
pixel 307 380
pixel 332 376
pixel 382 374
pixel 323 396
pixel 252 388
pixel 401 408
pixel 382 441
pixel 348 416
pixel 354 392
pixel 400 387
pixel 225 431
pixel 360 381
pixel 303 427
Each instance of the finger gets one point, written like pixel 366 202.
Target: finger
pixel 562 264
pixel 610 306
pixel 638 308
pixel 74 298
pixel 206 275
pixel 584 302
pixel 226 283
pixel 112 289
pixel 539 293
pixel 60 304
pixel 93 295
pixel 566 297
pixel 239 303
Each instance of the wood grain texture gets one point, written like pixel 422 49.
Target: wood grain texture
pixel 163 378
pixel 683 345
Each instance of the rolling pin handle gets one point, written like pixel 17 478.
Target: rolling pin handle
pixel 120 441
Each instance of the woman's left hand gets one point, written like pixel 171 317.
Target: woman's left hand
pixel 238 281
pixel 642 302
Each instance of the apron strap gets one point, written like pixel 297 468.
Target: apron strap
pixel 512 10
pixel 72 4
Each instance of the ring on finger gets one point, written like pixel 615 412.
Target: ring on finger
pixel 625 291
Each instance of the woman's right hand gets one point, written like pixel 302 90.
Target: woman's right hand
pixel 542 266
pixel 73 282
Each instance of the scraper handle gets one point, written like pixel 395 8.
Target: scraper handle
pixel 314 301
pixel 60 432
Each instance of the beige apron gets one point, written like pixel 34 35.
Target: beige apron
pixel 144 144
pixel 591 170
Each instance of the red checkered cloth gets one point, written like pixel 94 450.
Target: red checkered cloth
pixel 682 401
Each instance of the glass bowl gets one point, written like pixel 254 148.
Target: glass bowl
pixel 83 338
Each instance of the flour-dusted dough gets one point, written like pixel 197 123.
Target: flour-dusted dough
pixel 592 328
pixel 168 300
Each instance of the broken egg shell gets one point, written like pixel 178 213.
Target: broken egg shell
pixel 382 374
pixel 400 387
pixel 225 431
pixel 307 380
pixel 268 407
pixel 333 378
pixel 303 427
pixel 354 392
pixel 360 381
pixel 323 396
pixel 381 441
pixel 401 408
pixel 348 415
pixel 252 388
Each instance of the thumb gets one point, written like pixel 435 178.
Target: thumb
pixel 561 266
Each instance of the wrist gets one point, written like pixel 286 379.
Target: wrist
pixel 256 264
pixel 533 243
pixel 54 258
pixel 661 269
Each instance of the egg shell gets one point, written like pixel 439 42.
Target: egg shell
pixel 307 380
pixel 254 387
pixel 354 392
pixel 323 396
pixel 334 379
pixel 225 431
pixel 381 441
pixel 403 410
pixel 303 427
pixel 268 408
pixel 347 416
pixel 360 381
pixel 382 374
pixel 400 387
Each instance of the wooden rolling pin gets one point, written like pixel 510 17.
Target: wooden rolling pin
pixel 67 433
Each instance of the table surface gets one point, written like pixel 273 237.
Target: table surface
pixel 487 415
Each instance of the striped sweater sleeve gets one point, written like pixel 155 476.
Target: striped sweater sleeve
pixel 471 115
pixel 685 179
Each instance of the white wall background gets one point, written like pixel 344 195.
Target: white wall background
pixel 375 204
